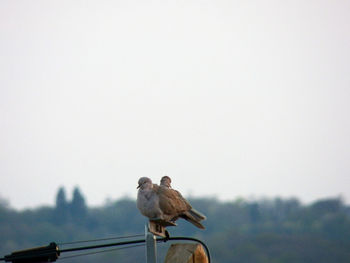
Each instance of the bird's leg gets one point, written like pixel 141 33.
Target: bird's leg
pixel 167 235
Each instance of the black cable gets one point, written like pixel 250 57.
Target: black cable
pixel 40 254
pixel 100 239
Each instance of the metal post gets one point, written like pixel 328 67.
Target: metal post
pixel 151 246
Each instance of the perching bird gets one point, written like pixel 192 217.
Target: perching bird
pixel 174 205
pixel 162 202
pixel 148 200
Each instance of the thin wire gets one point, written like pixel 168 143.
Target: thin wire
pixel 102 245
pixel 102 251
pixel 138 245
pixel 100 239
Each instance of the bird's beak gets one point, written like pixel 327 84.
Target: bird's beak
pixel 138 186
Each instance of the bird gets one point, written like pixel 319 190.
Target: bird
pixel 174 206
pixel 147 199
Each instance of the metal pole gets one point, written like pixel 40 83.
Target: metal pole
pixel 151 246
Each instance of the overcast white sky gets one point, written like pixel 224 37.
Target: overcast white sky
pixel 229 98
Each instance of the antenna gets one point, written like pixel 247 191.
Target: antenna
pixel 153 228
pixel 39 254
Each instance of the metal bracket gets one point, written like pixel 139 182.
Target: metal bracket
pixel 157 227
pixel 151 246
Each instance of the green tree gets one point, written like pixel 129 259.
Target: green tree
pixel 78 206
pixel 61 212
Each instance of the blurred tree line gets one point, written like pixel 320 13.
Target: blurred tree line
pixel 266 230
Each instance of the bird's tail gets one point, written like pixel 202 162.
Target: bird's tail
pixel 194 217
pixel 189 218
pixel 198 216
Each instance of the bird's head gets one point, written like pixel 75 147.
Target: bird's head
pixel 143 182
pixel 166 181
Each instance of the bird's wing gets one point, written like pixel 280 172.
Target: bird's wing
pixel 171 202
pixel 183 199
